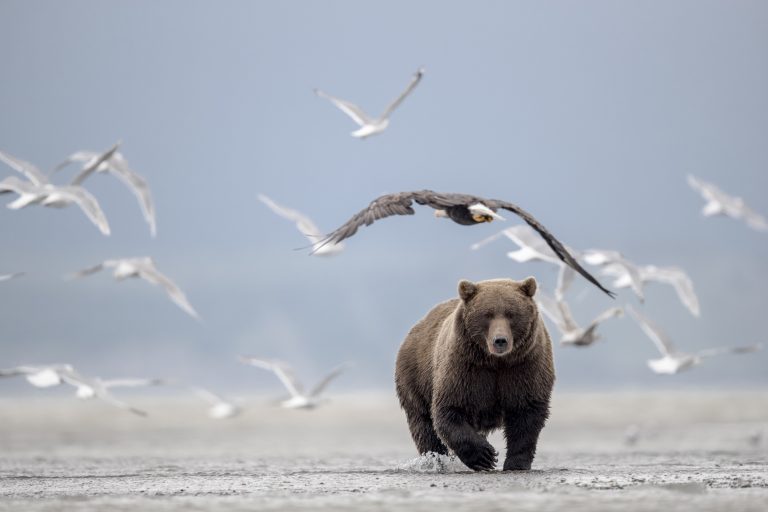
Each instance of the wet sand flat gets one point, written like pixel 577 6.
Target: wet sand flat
pixel 694 451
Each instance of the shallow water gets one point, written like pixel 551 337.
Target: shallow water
pixel 692 451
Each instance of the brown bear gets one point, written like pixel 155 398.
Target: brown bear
pixel 476 364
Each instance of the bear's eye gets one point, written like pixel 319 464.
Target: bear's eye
pixel 509 314
pixel 488 315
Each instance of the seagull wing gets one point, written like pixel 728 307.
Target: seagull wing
pixel 488 240
pixel 95 163
pixel 282 371
pixel 565 277
pixel 552 310
pixel 730 350
pixel 605 315
pixel 320 386
pixel 754 219
pixel 303 223
pixel 138 185
pixel 19 370
pixel 132 383
pixel 148 272
pixel 207 395
pixel 680 282
pixel 652 331
pixel 78 156
pixel 18 186
pixel 6 277
pixel 411 86
pixel 352 110
pixel 88 204
pixel 88 271
pixel 30 171
pixel 553 242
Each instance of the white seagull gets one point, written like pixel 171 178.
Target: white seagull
pixel 370 125
pixel 532 246
pixel 86 387
pixel 305 225
pixel 673 361
pixel 143 268
pixel 572 334
pixel 298 399
pixel 39 376
pixel 113 162
pixel 6 277
pixel 220 408
pixel 673 276
pixel 720 203
pixel 38 190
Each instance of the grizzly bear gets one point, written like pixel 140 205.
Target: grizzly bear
pixel 474 364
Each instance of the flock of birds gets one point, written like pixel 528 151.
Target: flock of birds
pixel 535 242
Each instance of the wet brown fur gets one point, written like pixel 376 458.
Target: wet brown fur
pixel 455 391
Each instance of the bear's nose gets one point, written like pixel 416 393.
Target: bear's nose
pixel 499 342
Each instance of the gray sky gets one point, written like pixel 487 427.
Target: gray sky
pixel 587 114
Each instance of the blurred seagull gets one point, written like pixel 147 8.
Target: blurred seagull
pixel 6 277
pixel 87 388
pixel 673 361
pixel 143 268
pixel 39 376
pixel 38 190
pixel 113 162
pixel 532 247
pixel 668 275
pixel 299 399
pixel 220 408
pixel 305 225
pixel 369 125
pixel 720 203
pixel 457 207
pixel 54 375
pixel 560 314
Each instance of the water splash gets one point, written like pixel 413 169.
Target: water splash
pixel 433 463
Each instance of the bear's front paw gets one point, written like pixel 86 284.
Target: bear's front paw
pixel 478 456
pixel 517 463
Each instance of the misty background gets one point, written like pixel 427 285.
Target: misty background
pixel 589 115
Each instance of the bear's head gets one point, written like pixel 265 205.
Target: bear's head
pixel 499 315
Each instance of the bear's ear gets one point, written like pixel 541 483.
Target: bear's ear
pixel 467 290
pixel 528 286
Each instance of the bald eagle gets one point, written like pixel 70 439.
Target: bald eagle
pixel 463 209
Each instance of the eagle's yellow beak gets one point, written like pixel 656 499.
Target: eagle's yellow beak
pixel 479 217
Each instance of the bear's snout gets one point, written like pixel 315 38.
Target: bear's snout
pixel 500 344
pixel 499 338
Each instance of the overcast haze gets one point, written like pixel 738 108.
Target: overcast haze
pixel 587 114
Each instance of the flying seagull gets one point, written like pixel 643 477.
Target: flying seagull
pixel 298 399
pixel 38 190
pixel 143 268
pixel 532 247
pixel 572 334
pixel 220 408
pixel 457 207
pixel 720 203
pixel 370 125
pixel 114 163
pixel 304 224
pixel 39 376
pixel 54 375
pixel 6 277
pixel 673 361
pixel 673 276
